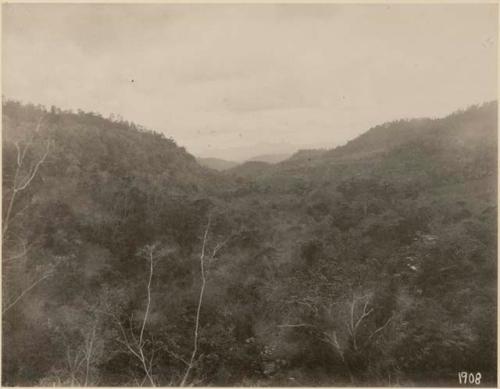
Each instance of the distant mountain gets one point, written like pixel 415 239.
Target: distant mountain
pixel 222 164
pixel 249 169
pixel 270 158
pixel 216 163
pixel 251 151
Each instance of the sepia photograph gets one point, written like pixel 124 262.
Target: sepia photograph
pixel 249 194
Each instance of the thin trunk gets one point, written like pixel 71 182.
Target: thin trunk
pixel 31 175
pixel 146 314
pixel 136 346
pixel 198 311
pixel 146 369
pixel 341 353
pixel 144 321
pixel 11 204
pixel 89 346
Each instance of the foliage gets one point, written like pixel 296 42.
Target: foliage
pixel 370 264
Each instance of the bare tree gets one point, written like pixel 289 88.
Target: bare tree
pixel 343 335
pixel 22 181
pixel 203 258
pixel 135 343
pixel 331 339
pixel 74 361
pixel 354 322
pixel 80 355
pixel 23 176
pixel 198 310
pixel 143 349
pixel 88 352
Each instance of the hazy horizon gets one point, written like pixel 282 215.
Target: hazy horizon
pixel 235 81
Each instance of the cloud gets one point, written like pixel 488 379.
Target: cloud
pixel 204 74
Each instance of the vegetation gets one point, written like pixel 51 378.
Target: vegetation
pixel 125 262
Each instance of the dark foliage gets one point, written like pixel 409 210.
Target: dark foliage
pixel 370 264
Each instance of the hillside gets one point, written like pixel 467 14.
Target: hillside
pixel 308 154
pixel 248 169
pixel 348 267
pixel 471 126
pixel 253 163
pixel 458 147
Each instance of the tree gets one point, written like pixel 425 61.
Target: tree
pixel 24 174
pixel 22 180
pixel 203 258
pixel 136 344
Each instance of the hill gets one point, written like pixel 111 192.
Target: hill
pixel 442 150
pixel 308 154
pixel 354 266
pixel 407 210
pixel 248 169
pixel 82 196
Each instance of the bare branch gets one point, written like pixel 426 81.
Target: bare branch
pixel 129 347
pixel 363 315
pixel 147 369
pixel 5 224
pixel 136 346
pixel 175 355
pixel 32 174
pixel 15 188
pixel 294 325
pixel 378 330
pixel 146 314
pixel 125 340
pixel 220 246
pixel 23 293
pixel 26 147
pixel 21 254
pixel 88 349
pixel 333 341
pixel 353 325
pixel 18 154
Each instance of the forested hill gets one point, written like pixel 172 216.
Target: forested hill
pixel 87 143
pixel 471 126
pixel 370 264
pixel 431 152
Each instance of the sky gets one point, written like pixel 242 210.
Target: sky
pixel 233 81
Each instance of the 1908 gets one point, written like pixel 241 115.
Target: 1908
pixel 466 378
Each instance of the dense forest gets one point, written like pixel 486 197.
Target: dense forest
pixel 125 262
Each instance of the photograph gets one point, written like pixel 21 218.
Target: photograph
pixel 242 194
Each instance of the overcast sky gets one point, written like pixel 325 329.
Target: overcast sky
pixel 236 80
